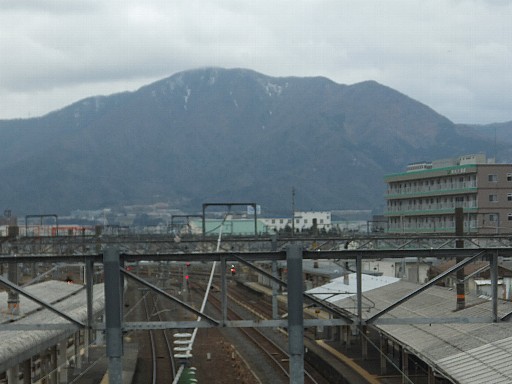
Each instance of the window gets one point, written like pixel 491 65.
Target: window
pixel 493 178
pixel 509 196
pixel 493 198
pixel 493 217
pixel 280 221
pixel 273 221
pixel 509 176
pixel 509 217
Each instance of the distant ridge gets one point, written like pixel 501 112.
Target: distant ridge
pixel 215 134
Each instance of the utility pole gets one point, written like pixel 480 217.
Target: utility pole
pixel 293 211
pixel 295 314
pixel 459 243
pixel 113 310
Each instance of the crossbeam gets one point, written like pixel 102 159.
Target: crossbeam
pixel 170 297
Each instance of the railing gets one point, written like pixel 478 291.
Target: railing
pixel 431 208
pixel 469 227
pixel 427 189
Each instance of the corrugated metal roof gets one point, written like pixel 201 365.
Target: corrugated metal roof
pixel 49 291
pixel 344 287
pixel 17 346
pixel 464 352
pixel 466 367
pixel 322 268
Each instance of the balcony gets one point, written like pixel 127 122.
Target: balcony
pixel 431 190
pixel 431 227
pixel 430 209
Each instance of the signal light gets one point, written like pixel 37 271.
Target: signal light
pixel 233 270
pixel 186 277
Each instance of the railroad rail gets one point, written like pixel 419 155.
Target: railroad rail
pixel 269 347
pixel 157 349
pixel 262 308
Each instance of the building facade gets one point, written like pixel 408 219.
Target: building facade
pixel 423 199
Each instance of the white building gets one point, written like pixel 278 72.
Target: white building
pixel 303 220
pixel 410 268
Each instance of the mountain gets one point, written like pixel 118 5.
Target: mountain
pixel 497 132
pixel 225 135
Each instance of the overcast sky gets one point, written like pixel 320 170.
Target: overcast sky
pixel 453 55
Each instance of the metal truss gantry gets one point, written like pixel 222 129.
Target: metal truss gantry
pixel 113 260
pixel 142 243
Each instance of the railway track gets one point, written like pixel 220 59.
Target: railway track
pixel 251 305
pixel 156 362
pixel 272 350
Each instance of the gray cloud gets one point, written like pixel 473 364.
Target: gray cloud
pixel 453 56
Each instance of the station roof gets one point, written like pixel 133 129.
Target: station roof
pixel 462 352
pixel 18 346
pixel 323 268
pixel 345 287
pixel 50 291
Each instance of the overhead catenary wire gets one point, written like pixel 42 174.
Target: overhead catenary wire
pixel 205 299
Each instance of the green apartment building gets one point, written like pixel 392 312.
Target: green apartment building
pixel 424 197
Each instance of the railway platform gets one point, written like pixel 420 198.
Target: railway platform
pixel 97 371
